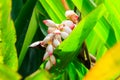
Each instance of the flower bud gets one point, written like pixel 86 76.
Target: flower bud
pixel 58 37
pixel 68 23
pixel 70 14
pixel 49 49
pixel 35 44
pixel 64 35
pixel 48 65
pixel 49 23
pixel 50 30
pixel 67 29
pixel 56 42
pixel 48 38
pixel 52 59
pixel 46 55
pixel 57 32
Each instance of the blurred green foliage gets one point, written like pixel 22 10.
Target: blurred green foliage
pixel 21 24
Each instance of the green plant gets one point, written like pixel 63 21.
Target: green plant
pixel 97 31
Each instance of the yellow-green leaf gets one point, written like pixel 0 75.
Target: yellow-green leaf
pixel 8 74
pixel 38 75
pixel 8 55
pixel 108 67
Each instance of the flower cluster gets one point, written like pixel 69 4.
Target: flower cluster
pixel 56 32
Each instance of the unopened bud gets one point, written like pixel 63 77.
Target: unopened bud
pixel 35 44
pixel 68 23
pixel 49 23
pixel 64 35
pixel 67 29
pixel 70 14
pixel 49 49
pixel 57 32
pixel 46 55
pixel 50 30
pixel 52 59
pixel 48 38
pixel 56 42
pixel 48 65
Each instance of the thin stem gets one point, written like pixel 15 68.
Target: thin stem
pixel 65 4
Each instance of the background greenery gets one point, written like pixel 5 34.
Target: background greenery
pixel 21 24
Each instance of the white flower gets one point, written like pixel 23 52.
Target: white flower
pixel 49 23
pixel 50 30
pixel 67 29
pixel 69 24
pixel 49 49
pixel 48 65
pixel 35 44
pixel 64 35
pixel 56 42
pixel 47 39
pixel 70 14
pixel 52 59
pixel 58 37
pixel 57 32
pixel 46 55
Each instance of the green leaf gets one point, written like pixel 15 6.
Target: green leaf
pixel 38 75
pixel 80 68
pixel 8 53
pixel 55 10
pixel 114 13
pixel 70 70
pixel 68 50
pixel 8 74
pixel 41 15
pixel 22 22
pixel 28 38
pixel 103 28
pixel 16 7
pixel 108 67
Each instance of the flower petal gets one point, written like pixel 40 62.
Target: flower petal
pixel 57 32
pixel 67 23
pixel 64 35
pixel 56 42
pixel 52 59
pixel 46 55
pixel 35 44
pixel 49 49
pixel 50 30
pixel 67 29
pixel 48 65
pixel 49 23
pixel 48 38
pixel 58 37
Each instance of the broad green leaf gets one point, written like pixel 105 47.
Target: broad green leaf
pixel 68 50
pixel 28 38
pixel 8 54
pixel 101 51
pixel 55 10
pixel 16 7
pixel 41 15
pixel 80 69
pixel 22 22
pixel 93 42
pixel 103 28
pixel 108 67
pixel 71 70
pixel 8 74
pixel 38 75
pixel 105 32
pixel 114 15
